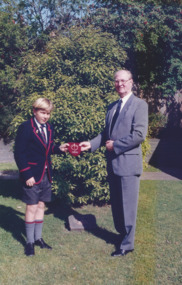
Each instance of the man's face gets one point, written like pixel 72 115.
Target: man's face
pixel 41 115
pixel 123 83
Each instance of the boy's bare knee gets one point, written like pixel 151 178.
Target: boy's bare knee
pixel 31 209
pixel 41 205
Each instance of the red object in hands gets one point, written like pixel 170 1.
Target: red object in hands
pixel 74 148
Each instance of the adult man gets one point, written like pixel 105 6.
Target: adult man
pixel 125 130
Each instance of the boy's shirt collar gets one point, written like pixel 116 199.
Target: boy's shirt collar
pixel 38 124
pixel 39 127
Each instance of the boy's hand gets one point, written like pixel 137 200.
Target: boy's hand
pixel 30 182
pixel 85 146
pixel 64 147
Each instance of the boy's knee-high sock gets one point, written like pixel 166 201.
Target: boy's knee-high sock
pixel 38 229
pixel 29 229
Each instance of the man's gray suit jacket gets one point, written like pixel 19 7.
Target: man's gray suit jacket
pixel 128 133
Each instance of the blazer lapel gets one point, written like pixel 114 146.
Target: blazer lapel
pixel 37 132
pixel 49 135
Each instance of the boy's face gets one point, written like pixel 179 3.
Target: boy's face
pixel 41 115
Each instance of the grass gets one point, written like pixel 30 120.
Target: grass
pixel 169 225
pixel 8 167
pixel 150 168
pixel 84 257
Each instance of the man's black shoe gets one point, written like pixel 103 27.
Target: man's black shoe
pixel 29 249
pixel 121 252
pixel 40 242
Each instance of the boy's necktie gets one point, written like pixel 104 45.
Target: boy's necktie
pixel 43 133
pixel 116 114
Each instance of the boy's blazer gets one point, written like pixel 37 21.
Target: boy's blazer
pixel 128 133
pixel 31 154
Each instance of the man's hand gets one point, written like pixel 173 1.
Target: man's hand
pixel 64 147
pixel 85 146
pixel 30 182
pixel 109 145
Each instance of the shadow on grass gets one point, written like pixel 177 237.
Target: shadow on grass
pixel 9 217
pixel 11 188
pixel 62 212
pixel 11 222
pixel 167 156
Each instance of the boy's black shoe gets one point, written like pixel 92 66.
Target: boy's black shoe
pixel 29 249
pixel 40 242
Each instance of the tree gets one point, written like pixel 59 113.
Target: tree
pixel 13 45
pixel 26 26
pixel 44 18
pixel 151 36
pixel 76 73
pixel 146 2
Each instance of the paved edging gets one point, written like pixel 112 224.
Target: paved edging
pixel 6 153
pixel 176 176
pixel 6 156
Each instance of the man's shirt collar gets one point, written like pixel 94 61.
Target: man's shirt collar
pixel 125 98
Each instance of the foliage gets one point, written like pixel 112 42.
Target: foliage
pixel 147 31
pixel 146 148
pixel 157 122
pixel 25 26
pixel 13 45
pixel 153 2
pixel 45 18
pixel 76 73
pixel 151 36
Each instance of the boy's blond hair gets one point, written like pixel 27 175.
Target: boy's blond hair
pixel 43 103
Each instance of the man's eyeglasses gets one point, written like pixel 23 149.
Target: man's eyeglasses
pixel 122 81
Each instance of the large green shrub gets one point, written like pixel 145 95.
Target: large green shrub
pixel 157 122
pixel 76 73
pixel 13 45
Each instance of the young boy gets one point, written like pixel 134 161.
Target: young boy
pixel 33 149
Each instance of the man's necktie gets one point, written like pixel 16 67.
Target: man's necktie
pixel 43 133
pixel 116 114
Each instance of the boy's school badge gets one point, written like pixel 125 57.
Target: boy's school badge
pixel 74 148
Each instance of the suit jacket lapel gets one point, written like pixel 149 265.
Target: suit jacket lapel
pixel 122 113
pixel 111 112
pixel 125 108
pixel 110 116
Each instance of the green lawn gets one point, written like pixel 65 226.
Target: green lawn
pixel 8 167
pixel 84 257
pixel 150 168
